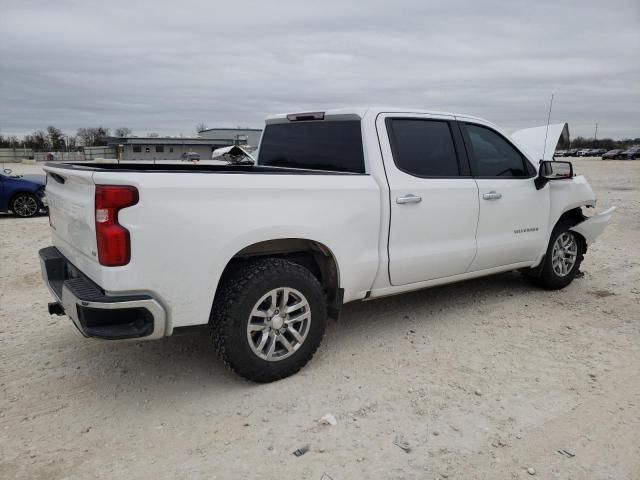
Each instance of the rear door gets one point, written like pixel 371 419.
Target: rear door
pixel 513 213
pixel 434 200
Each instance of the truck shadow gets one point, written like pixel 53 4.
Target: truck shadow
pixel 188 363
pixel 426 305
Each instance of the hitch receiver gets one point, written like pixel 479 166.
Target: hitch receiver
pixel 56 308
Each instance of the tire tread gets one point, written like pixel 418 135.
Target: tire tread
pixel 224 316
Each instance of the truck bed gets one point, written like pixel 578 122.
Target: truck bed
pixel 190 221
pixel 191 168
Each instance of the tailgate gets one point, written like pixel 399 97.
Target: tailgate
pixel 71 196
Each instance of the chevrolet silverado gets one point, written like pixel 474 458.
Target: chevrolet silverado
pixel 340 206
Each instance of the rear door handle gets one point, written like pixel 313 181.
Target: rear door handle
pixel 410 198
pixel 492 195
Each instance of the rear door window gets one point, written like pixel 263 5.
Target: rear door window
pixel 323 145
pixel 423 148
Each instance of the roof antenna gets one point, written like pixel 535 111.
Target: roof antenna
pixel 544 149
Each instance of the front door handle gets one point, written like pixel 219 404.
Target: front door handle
pixel 492 195
pixel 410 198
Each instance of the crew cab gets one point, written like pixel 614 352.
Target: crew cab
pixel 342 205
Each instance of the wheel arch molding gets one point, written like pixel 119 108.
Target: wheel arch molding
pixel 311 254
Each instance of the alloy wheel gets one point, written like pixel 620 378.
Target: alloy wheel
pixel 25 205
pixel 278 324
pixel 564 254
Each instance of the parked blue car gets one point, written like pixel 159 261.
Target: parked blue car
pixel 22 194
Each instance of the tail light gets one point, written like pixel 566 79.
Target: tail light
pixel 114 243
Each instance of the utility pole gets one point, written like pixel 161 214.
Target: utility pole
pixel 595 134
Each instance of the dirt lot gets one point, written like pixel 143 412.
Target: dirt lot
pixel 483 379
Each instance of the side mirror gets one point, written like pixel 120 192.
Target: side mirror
pixel 553 170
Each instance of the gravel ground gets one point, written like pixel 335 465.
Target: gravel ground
pixel 483 379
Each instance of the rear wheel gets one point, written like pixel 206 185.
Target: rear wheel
pixel 25 205
pixel 564 255
pixel 268 319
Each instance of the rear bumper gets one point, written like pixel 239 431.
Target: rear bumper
pixel 94 312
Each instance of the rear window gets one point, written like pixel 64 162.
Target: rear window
pixel 423 148
pixel 325 145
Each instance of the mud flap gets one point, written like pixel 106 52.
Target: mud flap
pixel 592 227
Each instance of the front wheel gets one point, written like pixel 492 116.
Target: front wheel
pixel 25 205
pixel 564 255
pixel 268 319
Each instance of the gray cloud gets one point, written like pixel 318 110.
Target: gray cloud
pixel 166 66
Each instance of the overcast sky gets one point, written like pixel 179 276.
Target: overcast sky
pixel 165 66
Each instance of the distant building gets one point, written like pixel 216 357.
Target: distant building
pixel 240 136
pixel 181 148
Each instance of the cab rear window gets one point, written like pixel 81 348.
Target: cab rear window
pixel 316 145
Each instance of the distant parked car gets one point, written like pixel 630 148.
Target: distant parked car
pixel 559 153
pixel 631 154
pixel 573 152
pixel 597 152
pixel 585 152
pixel 613 154
pixel 190 157
pixel 22 194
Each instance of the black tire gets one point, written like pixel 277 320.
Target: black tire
pixel 236 297
pixel 21 205
pixel 548 277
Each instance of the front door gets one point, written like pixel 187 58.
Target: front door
pixel 513 214
pixel 433 199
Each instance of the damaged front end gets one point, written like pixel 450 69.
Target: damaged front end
pixel 592 227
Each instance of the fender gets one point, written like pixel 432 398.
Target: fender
pixel 593 226
pixel 566 195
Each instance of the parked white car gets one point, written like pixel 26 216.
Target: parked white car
pixel 342 205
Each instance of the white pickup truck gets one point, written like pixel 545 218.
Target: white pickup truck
pixel 342 205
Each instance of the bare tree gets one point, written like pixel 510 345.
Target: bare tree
pixel 123 132
pixel 93 136
pixel 72 142
pixel 153 135
pixel 39 140
pixel 56 138
pixel 10 141
pixel 201 127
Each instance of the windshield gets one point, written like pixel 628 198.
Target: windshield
pixel 324 145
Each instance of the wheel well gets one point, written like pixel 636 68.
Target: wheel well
pixel 312 255
pixel 15 194
pixel 575 216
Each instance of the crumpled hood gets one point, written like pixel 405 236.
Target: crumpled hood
pixel 539 143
